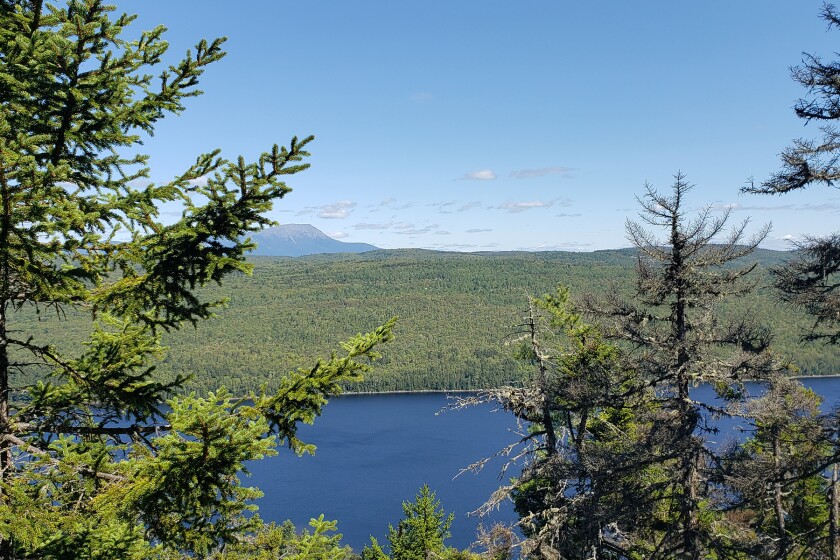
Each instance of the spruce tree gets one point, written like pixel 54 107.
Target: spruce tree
pixel 586 413
pixel 94 461
pixel 810 279
pixel 678 340
pixel 774 478
pixel 420 534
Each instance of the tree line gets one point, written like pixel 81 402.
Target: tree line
pixel 456 312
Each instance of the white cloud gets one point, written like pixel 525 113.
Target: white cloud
pixel 334 211
pixel 372 226
pixel 338 234
pixel 399 228
pixel 481 175
pixel 409 229
pixel 469 206
pixel 789 238
pixel 390 203
pixel 198 181
pixel 563 246
pixel 465 247
pixel 515 207
pixel 824 207
pixel 724 206
pixel 479 230
pixel 541 172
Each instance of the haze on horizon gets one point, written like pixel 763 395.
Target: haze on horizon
pixel 479 125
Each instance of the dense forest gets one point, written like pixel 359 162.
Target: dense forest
pixel 456 310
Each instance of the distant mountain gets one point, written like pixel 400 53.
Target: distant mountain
pixel 297 240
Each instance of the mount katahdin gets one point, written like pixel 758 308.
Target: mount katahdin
pixel 297 240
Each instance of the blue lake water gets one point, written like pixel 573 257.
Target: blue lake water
pixel 376 451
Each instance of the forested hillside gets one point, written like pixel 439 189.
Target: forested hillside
pixel 456 312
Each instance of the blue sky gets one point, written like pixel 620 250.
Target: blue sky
pixel 474 125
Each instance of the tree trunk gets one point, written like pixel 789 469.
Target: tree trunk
pixel 5 291
pixel 777 497
pixel 547 420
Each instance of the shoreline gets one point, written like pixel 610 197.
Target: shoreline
pixel 452 391
pixel 408 392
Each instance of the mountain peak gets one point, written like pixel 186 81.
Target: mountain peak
pixel 296 240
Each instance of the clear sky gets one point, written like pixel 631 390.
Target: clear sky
pixel 486 125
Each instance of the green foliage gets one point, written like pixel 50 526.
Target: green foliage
pixel 618 463
pixel 420 534
pixel 95 462
pixel 775 475
pixel 455 310
pixel 586 413
pixel 422 530
pixel 271 542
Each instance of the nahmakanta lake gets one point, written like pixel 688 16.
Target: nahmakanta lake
pixel 376 451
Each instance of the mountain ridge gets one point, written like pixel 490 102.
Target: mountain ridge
pixel 299 240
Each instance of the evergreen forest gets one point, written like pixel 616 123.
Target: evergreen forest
pixel 457 312
pixel 146 362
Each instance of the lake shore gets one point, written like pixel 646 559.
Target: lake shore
pixel 475 391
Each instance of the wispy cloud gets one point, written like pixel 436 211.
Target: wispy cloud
pixel 479 230
pixel 338 234
pixel 465 247
pixel 391 203
pixel 334 211
pixel 399 228
pixel 443 205
pixel 452 206
pixel 562 246
pixel 469 206
pixel 823 207
pixel 480 175
pixel 410 229
pixel 516 207
pixel 372 226
pixel 566 172
pixel 568 215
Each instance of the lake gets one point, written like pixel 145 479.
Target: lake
pixel 376 451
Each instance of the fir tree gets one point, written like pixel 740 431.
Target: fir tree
pixel 679 341
pixel 774 477
pixel 94 462
pixel 810 279
pixel 585 414
pixel 420 534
